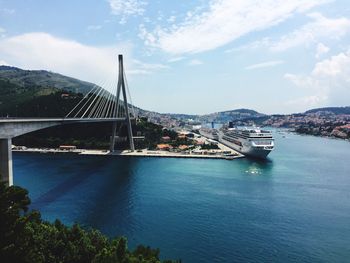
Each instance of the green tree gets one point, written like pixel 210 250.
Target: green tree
pixel 25 237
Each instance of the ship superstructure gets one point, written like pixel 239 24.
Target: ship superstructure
pixel 248 141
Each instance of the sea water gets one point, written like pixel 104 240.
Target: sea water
pixel 294 207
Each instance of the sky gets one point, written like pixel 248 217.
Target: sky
pixel 190 56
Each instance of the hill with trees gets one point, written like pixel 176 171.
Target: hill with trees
pixel 22 92
pixel 27 79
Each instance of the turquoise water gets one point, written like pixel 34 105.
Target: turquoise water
pixel 293 208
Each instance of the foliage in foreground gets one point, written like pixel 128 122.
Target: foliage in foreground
pixel 25 237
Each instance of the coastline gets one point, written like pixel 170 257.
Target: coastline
pixel 139 153
pixel 223 152
pixel 322 136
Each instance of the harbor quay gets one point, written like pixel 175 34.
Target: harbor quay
pixel 222 151
pixel 212 154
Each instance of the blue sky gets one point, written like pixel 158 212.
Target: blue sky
pixel 274 56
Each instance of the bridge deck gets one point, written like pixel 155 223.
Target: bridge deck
pixel 23 120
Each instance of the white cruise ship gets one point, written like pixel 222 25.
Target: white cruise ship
pixel 248 141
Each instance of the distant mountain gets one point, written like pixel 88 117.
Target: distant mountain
pixel 334 110
pixel 217 117
pixel 182 116
pixel 37 93
pixel 29 79
pixel 231 115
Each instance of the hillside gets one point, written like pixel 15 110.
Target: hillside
pixel 21 90
pixel 334 110
pixel 231 115
pixel 27 79
pixel 36 93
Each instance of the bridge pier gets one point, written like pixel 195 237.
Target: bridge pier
pixel 6 172
pixel 114 132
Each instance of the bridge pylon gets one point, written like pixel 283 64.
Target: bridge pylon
pixel 121 88
pixel 6 172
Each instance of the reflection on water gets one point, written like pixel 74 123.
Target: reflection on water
pixel 258 167
pixel 253 169
pixel 116 190
pixel 79 176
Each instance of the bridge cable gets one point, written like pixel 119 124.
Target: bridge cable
pixel 114 97
pixel 128 92
pixel 97 96
pixel 95 102
pixel 95 109
pixel 87 94
pixel 108 102
pixel 93 95
pixel 104 111
pixel 90 98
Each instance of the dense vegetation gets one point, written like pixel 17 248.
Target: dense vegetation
pixel 36 102
pixel 25 237
pixel 22 92
pixel 211 146
pixel 27 79
pixel 153 134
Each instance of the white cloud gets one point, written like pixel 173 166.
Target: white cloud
pixel 171 19
pixel 94 27
pixel 176 59
pixel 146 68
pixel 308 101
pixel 3 63
pixel 265 64
pixel 337 66
pixel 329 81
pixel 126 8
pixel 301 81
pixel 195 62
pixel 68 57
pixel 223 22
pixel 319 28
pixel 321 49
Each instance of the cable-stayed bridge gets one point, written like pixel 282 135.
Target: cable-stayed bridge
pixel 98 105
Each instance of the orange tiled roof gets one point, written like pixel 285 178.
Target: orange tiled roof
pixel 164 146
